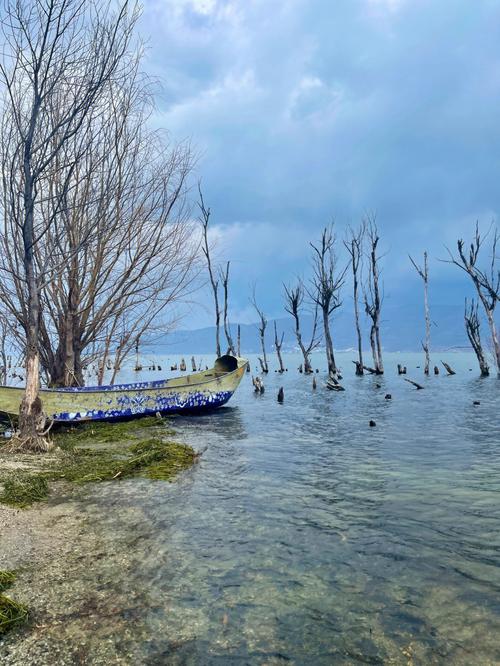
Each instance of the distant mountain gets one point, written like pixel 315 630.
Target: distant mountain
pixel 402 329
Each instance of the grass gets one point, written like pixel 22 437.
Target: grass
pixel 11 613
pixel 99 452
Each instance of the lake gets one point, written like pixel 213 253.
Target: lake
pixel 305 536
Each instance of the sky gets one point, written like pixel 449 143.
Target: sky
pixel 304 112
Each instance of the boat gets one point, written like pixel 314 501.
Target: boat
pixel 194 392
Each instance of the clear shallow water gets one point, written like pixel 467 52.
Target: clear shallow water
pixel 304 536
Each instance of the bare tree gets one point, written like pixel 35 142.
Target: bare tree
pixel 486 281
pixel 473 326
pixel 224 276
pixel 294 298
pixel 423 271
pixel 59 56
pixel 372 295
pixel 122 253
pixel 205 220
pixel 278 344
pixel 262 333
pixel 354 246
pixel 327 282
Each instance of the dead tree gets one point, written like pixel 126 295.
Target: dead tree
pixel 472 326
pixel 423 271
pixel 57 60
pixel 354 246
pixel 415 384
pixel 326 284
pixel 278 343
pixel 205 220
pixel 262 334
pixel 224 276
pixel 294 298
pixel 372 295
pixel 485 280
pixel 448 368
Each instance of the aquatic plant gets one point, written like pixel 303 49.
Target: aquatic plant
pixel 100 452
pixel 11 612
pixel 23 488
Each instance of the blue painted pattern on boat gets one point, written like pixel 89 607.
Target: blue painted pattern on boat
pixel 138 404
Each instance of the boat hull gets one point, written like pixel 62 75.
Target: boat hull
pixel 201 391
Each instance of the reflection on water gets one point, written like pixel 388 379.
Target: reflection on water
pixel 304 536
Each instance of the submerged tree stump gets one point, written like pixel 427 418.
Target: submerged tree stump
pixel 448 369
pixel 333 384
pixel 415 384
pixel 359 368
pixel 258 385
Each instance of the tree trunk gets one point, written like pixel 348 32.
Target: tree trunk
pixel 494 338
pixel 305 354
pixel 427 319
pixel 332 368
pixel 380 364
pixel 31 416
pixel 359 363
pixel 263 362
pixel 278 344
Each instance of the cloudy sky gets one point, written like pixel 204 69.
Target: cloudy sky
pixel 307 111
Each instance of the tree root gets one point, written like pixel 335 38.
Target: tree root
pixel 36 443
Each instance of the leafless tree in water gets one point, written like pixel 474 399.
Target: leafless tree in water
pixel 214 282
pixel 372 294
pixel 294 299
pixel 473 329
pixel 423 271
pixel 262 333
pixel 326 284
pixel 224 276
pixel 58 58
pixel 278 344
pixel 486 280
pixel 354 246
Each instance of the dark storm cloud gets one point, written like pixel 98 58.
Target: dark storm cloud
pixel 304 111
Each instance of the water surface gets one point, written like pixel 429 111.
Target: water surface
pixel 305 536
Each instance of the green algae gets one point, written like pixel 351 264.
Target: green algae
pixel 11 612
pixel 69 437
pixel 100 452
pixel 6 579
pixel 22 489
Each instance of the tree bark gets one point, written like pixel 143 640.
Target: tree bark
pixel 330 357
pixel 472 327
pixel 373 300
pixel 278 344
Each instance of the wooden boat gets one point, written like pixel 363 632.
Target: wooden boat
pixel 194 392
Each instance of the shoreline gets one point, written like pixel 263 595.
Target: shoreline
pixel 72 552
